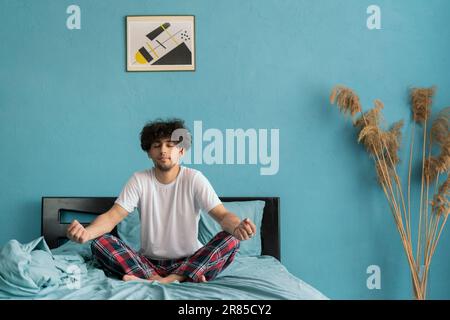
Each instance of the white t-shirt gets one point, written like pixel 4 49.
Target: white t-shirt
pixel 169 212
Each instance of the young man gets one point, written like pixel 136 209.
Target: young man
pixel 169 198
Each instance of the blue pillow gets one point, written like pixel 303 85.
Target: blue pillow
pixel 129 229
pixel 208 227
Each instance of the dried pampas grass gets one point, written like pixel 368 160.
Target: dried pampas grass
pixel 371 137
pixel 393 139
pixel 373 117
pixel 441 136
pixel 440 127
pixel 431 168
pixel 421 99
pixel 440 202
pixel 383 146
pixel 347 100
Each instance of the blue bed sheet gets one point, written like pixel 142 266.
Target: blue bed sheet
pixel 255 278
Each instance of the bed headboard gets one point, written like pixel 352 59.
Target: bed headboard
pixel 54 230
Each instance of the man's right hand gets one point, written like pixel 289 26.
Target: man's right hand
pixel 76 232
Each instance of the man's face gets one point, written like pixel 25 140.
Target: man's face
pixel 165 154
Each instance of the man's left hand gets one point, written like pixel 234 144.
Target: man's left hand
pixel 244 230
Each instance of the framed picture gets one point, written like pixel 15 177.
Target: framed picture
pixel 160 43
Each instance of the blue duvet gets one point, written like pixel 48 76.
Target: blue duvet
pixel 32 271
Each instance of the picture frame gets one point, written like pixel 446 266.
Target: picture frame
pixel 160 43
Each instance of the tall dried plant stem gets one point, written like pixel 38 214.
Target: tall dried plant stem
pixel 394 211
pixel 431 233
pixel 430 227
pixel 419 238
pixel 411 148
pixel 406 245
pixel 409 178
pixel 435 242
pixel 399 188
pixel 426 205
pixel 433 249
pixel 407 242
pixel 398 220
pixel 397 217
pixel 434 218
pixel 427 257
pixel 432 241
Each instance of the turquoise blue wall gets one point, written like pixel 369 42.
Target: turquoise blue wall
pixel 70 116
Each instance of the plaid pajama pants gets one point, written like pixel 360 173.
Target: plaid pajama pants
pixel 119 259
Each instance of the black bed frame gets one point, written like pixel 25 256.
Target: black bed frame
pixel 54 231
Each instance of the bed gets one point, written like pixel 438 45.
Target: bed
pixel 258 277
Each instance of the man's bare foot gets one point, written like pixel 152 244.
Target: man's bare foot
pixel 175 277
pixel 129 277
pixel 172 278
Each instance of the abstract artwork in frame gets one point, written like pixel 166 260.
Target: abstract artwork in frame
pixel 160 43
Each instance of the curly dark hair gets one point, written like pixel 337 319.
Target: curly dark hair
pixel 159 129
